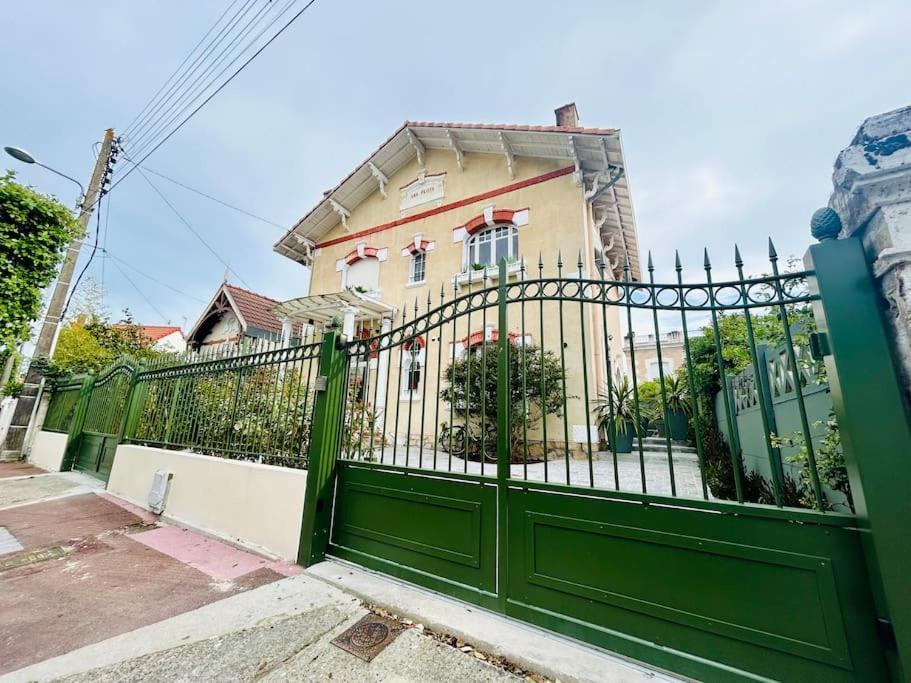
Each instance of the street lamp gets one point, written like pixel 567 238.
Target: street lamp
pixel 21 155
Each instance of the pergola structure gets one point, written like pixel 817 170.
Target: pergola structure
pixel 348 307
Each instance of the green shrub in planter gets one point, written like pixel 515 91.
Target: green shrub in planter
pixel 615 415
pixel 677 395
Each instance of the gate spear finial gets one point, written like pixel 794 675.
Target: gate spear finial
pixel 773 255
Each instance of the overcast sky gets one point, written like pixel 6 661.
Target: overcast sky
pixel 732 114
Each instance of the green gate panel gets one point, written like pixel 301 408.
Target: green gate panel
pixel 95 454
pixel 88 452
pixel 709 595
pixel 106 462
pixel 439 533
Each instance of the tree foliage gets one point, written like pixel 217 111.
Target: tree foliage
pixel 536 380
pixel 34 232
pixel 89 344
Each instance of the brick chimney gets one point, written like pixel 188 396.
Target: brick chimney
pixel 567 115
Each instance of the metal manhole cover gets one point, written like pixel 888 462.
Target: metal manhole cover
pixel 23 559
pixel 368 637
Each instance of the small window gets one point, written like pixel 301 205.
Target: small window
pixel 487 248
pixel 412 367
pixel 363 275
pixel 418 271
pixel 652 369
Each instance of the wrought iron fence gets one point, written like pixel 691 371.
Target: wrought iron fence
pixel 538 355
pixel 62 407
pixel 107 402
pixel 255 407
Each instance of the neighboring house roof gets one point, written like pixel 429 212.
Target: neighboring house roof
pixel 153 332
pixel 596 154
pixel 253 311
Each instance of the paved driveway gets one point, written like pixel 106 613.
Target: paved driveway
pixel 80 566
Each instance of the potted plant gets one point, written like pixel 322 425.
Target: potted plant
pixel 478 266
pixel 678 408
pixel 615 415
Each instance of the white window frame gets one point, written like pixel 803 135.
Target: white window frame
pixel 651 368
pixel 408 357
pixel 490 236
pixel 417 256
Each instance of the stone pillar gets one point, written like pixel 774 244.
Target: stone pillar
pixel 348 321
pixel 872 197
pixel 287 330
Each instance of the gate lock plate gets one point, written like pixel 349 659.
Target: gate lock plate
pixel 322 382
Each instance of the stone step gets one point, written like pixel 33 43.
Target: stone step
pixel 656 442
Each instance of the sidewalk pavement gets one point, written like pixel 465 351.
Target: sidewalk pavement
pixel 102 591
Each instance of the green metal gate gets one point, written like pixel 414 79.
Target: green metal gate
pixel 456 451
pixel 97 421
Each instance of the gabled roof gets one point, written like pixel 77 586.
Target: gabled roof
pixel 253 310
pixel 596 153
pixel 153 332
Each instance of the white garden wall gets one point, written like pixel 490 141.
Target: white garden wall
pixel 259 506
pixel 47 450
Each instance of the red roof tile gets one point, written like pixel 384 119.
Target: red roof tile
pixel 153 332
pixel 517 128
pixel 256 309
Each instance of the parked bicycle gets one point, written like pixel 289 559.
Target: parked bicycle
pixel 467 443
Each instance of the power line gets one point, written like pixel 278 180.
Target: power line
pixel 190 227
pixel 143 111
pixel 108 254
pixel 218 89
pixel 190 90
pixel 214 199
pixel 141 293
pixel 169 104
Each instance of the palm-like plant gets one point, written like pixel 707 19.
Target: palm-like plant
pixel 616 410
pixel 677 394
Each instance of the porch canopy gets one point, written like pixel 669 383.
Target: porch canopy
pixel 322 308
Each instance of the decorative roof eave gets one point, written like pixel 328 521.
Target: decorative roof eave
pixel 596 151
pixel 208 310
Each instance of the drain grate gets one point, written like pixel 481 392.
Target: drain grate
pixel 369 636
pixel 23 559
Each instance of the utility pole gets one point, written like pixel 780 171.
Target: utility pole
pixel 26 408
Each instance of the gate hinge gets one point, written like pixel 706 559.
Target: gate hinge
pixel 886 634
pixel 819 345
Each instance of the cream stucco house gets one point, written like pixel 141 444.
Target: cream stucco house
pixel 433 209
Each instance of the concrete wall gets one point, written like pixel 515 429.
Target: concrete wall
pixel 259 506
pixel 47 450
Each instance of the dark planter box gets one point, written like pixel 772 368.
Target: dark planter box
pixel 677 424
pixel 622 442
